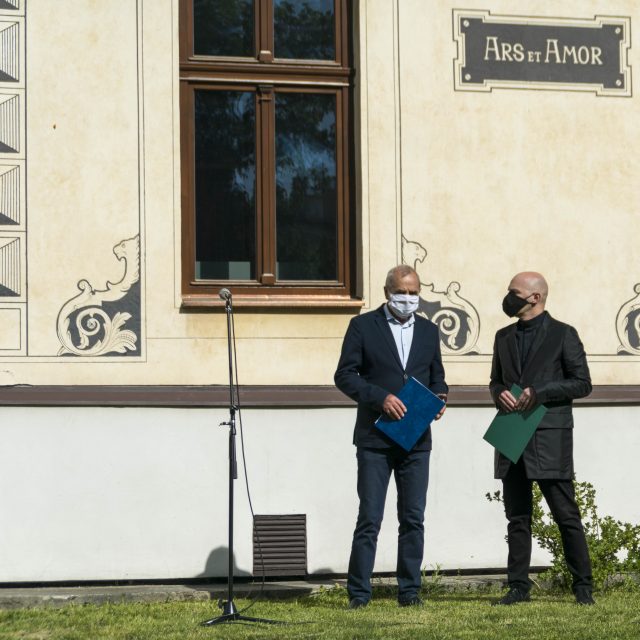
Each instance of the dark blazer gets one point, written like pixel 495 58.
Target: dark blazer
pixel 557 370
pixel 370 368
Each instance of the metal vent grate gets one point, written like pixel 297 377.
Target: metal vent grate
pixel 283 543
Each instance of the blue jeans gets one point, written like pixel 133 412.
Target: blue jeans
pixel 411 472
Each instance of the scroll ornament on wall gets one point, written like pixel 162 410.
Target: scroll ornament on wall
pixel 628 325
pixel 456 318
pixel 93 322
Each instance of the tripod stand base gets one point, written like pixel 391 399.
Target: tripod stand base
pixel 230 614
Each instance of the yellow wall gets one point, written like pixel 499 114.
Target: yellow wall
pixel 487 183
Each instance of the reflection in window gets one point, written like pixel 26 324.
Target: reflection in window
pixel 304 29
pixel 306 199
pixel 223 27
pixel 225 177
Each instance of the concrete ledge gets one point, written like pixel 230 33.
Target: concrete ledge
pixel 32 597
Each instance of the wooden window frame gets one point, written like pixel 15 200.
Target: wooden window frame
pixel 266 75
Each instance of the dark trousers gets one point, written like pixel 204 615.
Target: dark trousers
pixel 560 497
pixel 411 472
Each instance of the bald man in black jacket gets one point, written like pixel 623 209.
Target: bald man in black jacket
pixel 546 358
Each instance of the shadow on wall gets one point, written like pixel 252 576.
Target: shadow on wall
pixel 217 565
pixel 323 572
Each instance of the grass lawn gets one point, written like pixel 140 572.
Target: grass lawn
pixel 445 616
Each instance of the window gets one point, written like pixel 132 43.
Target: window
pixel 265 99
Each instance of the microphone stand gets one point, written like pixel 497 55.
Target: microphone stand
pixel 229 611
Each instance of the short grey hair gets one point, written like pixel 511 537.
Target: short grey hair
pixel 399 271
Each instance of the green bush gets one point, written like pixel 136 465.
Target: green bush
pixel 614 546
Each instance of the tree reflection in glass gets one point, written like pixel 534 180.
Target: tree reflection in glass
pixel 225 185
pixel 223 27
pixel 304 29
pixel 306 200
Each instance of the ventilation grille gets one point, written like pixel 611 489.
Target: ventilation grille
pixel 282 550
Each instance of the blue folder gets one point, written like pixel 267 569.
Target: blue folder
pixel 422 407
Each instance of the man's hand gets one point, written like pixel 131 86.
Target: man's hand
pixel 526 400
pixel 507 401
pixel 443 397
pixel 393 407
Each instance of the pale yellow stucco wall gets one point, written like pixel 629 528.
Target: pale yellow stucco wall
pixel 511 180
pixel 487 183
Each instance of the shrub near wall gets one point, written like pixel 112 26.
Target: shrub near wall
pixel 614 546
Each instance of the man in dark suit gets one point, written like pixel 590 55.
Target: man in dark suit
pixel 381 350
pixel 545 358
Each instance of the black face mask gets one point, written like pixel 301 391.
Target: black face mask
pixel 512 303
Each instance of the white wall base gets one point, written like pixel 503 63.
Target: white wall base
pixel 116 494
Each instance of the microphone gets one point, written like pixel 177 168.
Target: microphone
pixel 225 294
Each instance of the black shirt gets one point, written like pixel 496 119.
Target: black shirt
pixel 526 331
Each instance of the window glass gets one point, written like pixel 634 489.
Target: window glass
pixel 266 150
pixel 223 28
pixel 304 29
pixel 225 185
pixel 306 200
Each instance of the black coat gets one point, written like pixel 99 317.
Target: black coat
pixel 370 368
pixel 557 370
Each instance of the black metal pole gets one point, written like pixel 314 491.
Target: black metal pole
pixel 229 610
pixel 233 472
pixel 232 477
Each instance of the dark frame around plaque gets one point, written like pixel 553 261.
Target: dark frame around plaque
pixel 527 52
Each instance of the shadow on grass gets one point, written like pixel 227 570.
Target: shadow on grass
pixel 457 596
pixel 337 597
pixel 495 595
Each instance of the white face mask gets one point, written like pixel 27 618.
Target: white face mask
pixel 403 304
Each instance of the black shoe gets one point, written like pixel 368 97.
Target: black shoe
pixel 412 602
pixel 356 603
pixel 584 597
pixel 513 596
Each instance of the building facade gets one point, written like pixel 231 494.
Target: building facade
pixel 153 152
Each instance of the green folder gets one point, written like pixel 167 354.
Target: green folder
pixel 510 433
